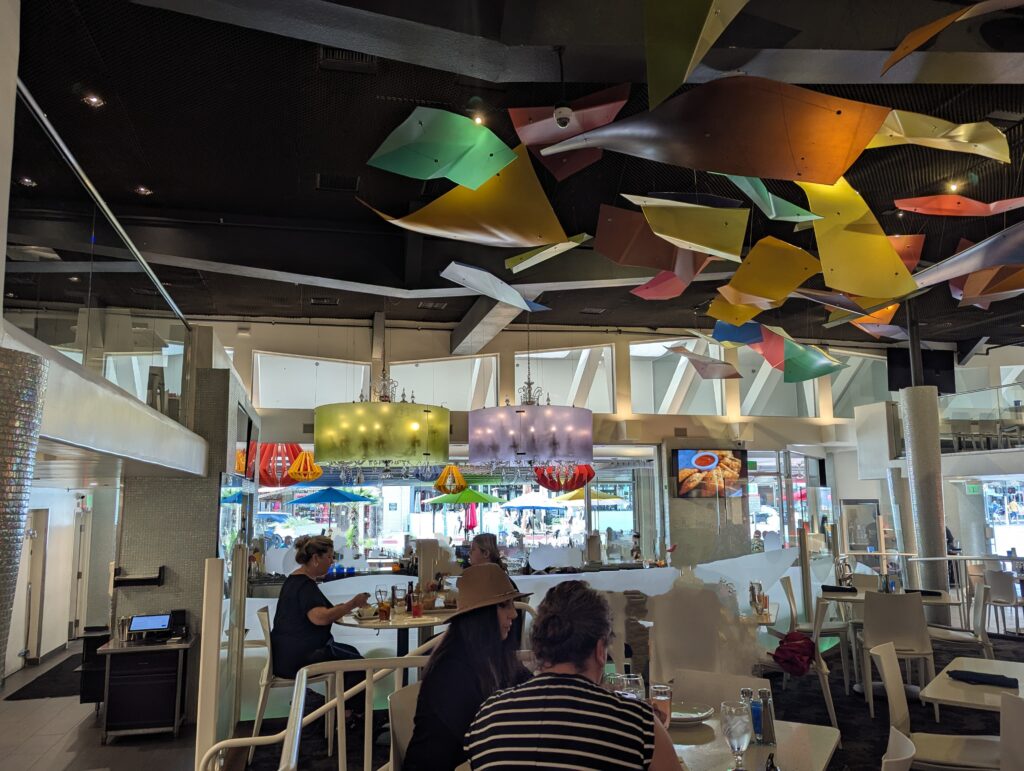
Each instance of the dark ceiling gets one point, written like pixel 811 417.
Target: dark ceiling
pixel 230 128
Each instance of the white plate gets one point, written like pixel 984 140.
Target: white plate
pixel 684 713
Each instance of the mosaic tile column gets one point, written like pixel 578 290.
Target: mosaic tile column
pixel 919 408
pixel 22 383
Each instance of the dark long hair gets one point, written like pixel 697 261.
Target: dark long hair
pixel 475 638
pixel 488 542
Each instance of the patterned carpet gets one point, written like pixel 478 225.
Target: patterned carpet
pixel 864 739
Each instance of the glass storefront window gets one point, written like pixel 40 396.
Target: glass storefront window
pixel 281 381
pixel 763 392
pixel 665 383
pixel 466 383
pixel 579 377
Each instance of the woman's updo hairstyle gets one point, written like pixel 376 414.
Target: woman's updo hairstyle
pixel 570 622
pixel 306 547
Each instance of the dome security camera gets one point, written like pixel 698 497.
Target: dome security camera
pixel 562 115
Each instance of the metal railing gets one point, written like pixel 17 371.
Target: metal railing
pixel 376 669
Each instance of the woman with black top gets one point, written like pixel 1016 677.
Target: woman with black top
pixel 302 624
pixel 476 657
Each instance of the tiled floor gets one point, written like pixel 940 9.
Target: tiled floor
pixel 63 735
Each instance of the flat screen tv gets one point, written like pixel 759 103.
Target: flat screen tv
pixel 938 369
pixel 709 473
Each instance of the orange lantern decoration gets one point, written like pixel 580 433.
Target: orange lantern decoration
pixel 305 469
pixel 563 479
pixel 240 462
pixel 450 480
pixel 275 461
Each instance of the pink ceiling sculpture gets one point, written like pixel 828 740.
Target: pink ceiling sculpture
pixel 957 206
pixel 537 129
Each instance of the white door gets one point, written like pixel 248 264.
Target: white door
pixel 36 535
pixel 80 560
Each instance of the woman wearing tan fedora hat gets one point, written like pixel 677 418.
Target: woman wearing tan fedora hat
pixel 476 657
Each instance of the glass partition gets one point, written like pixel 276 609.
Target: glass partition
pixel 986 419
pixel 665 383
pixel 72 282
pixel 864 380
pixel 579 377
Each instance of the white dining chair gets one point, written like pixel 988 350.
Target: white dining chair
pixel 401 713
pixel 977 636
pixel 269 681
pixel 1011 737
pixel 899 619
pixel 528 614
pixel 899 755
pixel 712 688
pixel 839 629
pixel 932 751
pixel 1003 595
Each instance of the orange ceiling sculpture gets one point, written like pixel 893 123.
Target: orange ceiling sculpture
pixel 747 126
pixel 957 206
pixel 510 209
pixel 908 248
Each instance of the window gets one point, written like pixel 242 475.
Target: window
pixel 575 377
pixel 665 383
pixel 764 393
pixel 863 381
pixel 465 383
pixel 280 381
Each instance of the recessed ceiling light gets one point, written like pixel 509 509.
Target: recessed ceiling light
pixel 899 213
pixel 143 190
pixel 478 119
pixel 93 484
pixel 94 100
pixel 74 279
pixel 953 187
pixel 27 182
pixel 10 294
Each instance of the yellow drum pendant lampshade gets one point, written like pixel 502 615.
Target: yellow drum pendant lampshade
pixel 398 432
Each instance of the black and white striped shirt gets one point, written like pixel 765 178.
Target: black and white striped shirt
pixel 561 721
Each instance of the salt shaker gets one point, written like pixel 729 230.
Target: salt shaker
pixel 767 716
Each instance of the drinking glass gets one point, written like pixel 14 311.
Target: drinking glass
pixel 611 681
pixel 382 593
pixel 399 608
pixel 660 697
pixel 737 729
pixel 632 687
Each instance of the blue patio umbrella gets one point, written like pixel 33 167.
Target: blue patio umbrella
pixel 234 498
pixel 331 495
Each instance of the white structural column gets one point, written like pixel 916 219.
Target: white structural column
pixel 919 406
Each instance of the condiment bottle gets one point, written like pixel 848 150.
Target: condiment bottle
pixel 747 697
pixel 408 599
pixel 767 716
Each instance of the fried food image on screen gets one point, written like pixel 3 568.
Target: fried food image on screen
pixel 689 478
pixel 725 478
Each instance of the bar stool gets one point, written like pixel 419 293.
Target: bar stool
pixel 269 681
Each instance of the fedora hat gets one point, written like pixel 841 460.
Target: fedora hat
pixel 484 585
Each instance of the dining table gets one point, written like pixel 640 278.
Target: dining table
pixel 798 747
pixel 954 693
pixel 400 623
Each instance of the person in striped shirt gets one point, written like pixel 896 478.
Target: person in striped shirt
pixel 563 718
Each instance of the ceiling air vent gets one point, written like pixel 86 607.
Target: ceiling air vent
pixel 323 300
pixel 432 305
pixel 343 60
pixel 337 183
pixel 593 311
pixel 307 428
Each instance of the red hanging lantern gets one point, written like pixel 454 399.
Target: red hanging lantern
pixel 563 479
pixel 275 460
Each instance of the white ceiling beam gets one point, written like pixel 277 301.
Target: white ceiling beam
pixel 761 388
pixel 480 382
pixel 583 376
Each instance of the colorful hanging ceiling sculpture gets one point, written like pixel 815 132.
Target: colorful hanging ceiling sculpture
pixel 734 336
pixel 908 248
pixel 957 206
pixel 537 129
pixel 746 126
pixel 773 207
pixel 993 285
pixel 707 367
pixel 912 128
pixel 715 231
pixel 918 37
pixel 856 256
pixel 677 35
pixel 488 285
pixel 431 144
pixel 769 273
pixel 533 257
pixel 624 237
pixel 305 469
pixel 1004 248
pixel 735 314
pixel 796 361
pixel 669 284
pixel 508 210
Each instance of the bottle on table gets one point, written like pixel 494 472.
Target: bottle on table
pixel 747 697
pixel 767 716
pixel 408 599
